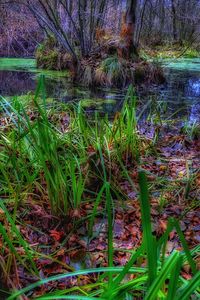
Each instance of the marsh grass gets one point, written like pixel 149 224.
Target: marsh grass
pixel 115 70
pixel 159 279
pixel 192 130
pixel 68 162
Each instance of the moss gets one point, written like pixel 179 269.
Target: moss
pixel 183 64
pixel 51 57
pixel 192 53
pixel 93 103
pixel 29 65
pixel 49 60
pixel 172 51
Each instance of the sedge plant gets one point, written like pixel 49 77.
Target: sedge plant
pixel 159 279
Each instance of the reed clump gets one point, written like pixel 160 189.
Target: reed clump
pixel 61 170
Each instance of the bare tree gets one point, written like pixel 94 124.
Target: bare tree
pixel 73 24
pixel 174 31
pixel 128 28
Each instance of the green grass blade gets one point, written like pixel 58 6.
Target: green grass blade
pixel 162 276
pixel 190 288
pixel 127 267
pixel 135 284
pixel 185 247
pixel 110 229
pixel 94 212
pixel 19 238
pixel 71 274
pixel 70 297
pixel 174 278
pixel 148 239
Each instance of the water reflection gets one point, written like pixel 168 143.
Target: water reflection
pixel 194 116
pixel 182 90
pixel 15 83
pixel 194 87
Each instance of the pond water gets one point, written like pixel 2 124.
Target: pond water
pixel 182 88
pixel 180 92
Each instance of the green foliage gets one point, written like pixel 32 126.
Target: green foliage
pixel 175 51
pixel 191 53
pixel 14 64
pixel 113 71
pixel 35 148
pixel 146 282
pixel 13 239
pixel 42 146
pixel 191 130
pixel 47 59
pixel 49 55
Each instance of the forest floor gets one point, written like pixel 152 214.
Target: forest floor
pixel 63 244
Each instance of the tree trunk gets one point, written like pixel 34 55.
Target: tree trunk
pixel 175 35
pixel 128 30
pixel 162 19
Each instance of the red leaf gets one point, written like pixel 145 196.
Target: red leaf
pixel 57 235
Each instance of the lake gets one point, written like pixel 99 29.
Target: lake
pixel 181 92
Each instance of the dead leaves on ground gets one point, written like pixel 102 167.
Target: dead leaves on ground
pixel 60 246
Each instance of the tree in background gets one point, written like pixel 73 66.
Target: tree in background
pixel 75 24
pixel 19 31
pixel 72 23
pixel 128 29
pixel 175 34
pixel 169 21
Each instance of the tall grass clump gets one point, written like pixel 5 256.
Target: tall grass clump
pixel 159 278
pixel 113 71
pixel 47 150
pixel 125 132
pixel 72 167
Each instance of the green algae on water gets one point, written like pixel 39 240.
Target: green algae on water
pixel 87 103
pixel 28 65
pixel 185 64
pixel 17 64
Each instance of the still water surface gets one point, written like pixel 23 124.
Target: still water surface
pixel 180 92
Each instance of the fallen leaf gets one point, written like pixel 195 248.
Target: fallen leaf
pixel 57 235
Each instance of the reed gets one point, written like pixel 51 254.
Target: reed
pixel 62 165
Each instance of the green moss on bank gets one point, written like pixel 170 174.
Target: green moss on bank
pixel 51 57
pixel 173 51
